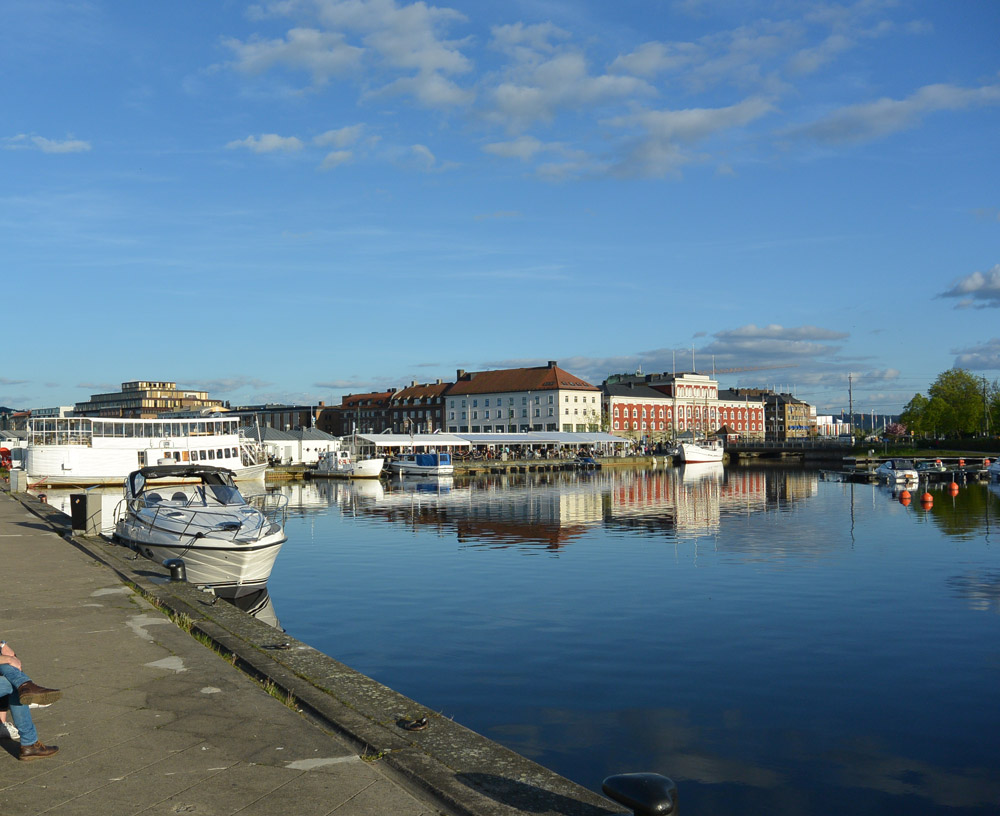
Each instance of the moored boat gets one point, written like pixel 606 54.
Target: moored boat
pixel 342 464
pixel 896 471
pixel 700 451
pixel 82 451
pixel 198 515
pixel 423 464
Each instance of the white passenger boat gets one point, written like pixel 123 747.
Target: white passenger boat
pixel 223 540
pixel 700 451
pixel 342 464
pixel 79 451
pixel 423 464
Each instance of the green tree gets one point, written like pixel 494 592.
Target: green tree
pixel 915 417
pixel 956 403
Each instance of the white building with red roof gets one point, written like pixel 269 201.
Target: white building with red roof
pixel 517 400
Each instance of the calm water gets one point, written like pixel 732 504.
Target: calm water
pixel 773 642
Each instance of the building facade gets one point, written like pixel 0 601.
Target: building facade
pixel 418 408
pixel 785 417
pixel 145 399
pixel 660 407
pixel 518 400
pixel 360 413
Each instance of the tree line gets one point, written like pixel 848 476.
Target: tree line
pixel 957 404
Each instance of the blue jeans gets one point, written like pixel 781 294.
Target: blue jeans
pixel 10 679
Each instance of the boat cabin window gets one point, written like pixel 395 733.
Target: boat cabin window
pixel 223 494
pixel 211 454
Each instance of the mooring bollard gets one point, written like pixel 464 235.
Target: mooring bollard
pixel 178 572
pixel 644 794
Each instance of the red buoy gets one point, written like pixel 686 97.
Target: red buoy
pixel 905 494
pixel 927 497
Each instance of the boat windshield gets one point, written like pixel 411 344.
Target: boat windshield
pixel 224 494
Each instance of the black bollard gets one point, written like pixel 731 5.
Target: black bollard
pixel 177 570
pixel 645 794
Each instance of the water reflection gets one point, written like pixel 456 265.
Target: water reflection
pixel 256 603
pixel 553 510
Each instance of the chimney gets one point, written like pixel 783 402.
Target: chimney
pixel 438 381
pixel 413 383
pixel 553 363
pixel 460 374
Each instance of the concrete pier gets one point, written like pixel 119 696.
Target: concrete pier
pixel 174 702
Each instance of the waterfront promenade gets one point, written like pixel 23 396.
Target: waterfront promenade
pixel 152 721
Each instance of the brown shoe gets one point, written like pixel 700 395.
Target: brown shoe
pixel 37 751
pixel 31 693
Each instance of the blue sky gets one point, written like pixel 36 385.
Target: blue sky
pixel 290 200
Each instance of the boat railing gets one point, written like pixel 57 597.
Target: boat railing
pixel 201 520
pixel 274 506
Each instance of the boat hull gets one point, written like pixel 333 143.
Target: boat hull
pixel 692 453
pixel 365 469
pixel 410 469
pixel 211 562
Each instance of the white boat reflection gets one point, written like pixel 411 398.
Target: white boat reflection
pixel 256 604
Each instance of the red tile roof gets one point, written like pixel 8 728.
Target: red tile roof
pixel 421 392
pixel 539 378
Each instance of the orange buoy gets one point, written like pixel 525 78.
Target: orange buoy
pixel 986 462
pixel 927 497
pixel 905 494
pixel 905 502
pixel 953 486
pixel 961 463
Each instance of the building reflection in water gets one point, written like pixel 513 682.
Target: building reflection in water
pixel 550 510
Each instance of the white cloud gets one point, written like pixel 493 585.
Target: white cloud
pixel 875 120
pixel 979 290
pixel 661 135
pixel 336 158
pixel 653 58
pixel 538 92
pixel 267 143
pixel 407 38
pixel 524 147
pixel 422 156
pixel 22 142
pixel 341 137
pixel 984 357
pixel 323 54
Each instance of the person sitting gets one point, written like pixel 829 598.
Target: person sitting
pixel 21 692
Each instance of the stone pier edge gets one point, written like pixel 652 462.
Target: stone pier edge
pixel 467 773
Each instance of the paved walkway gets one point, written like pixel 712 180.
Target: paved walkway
pixel 151 722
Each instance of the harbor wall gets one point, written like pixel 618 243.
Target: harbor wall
pixel 468 773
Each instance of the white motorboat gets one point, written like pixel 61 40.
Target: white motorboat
pixel 896 471
pixel 79 451
pixel 930 466
pixel 701 451
pixel 423 464
pixel 342 464
pixel 198 515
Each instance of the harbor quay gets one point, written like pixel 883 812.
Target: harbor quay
pixel 177 702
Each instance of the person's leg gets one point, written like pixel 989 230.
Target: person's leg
pixel 20 714
pixel 30 692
